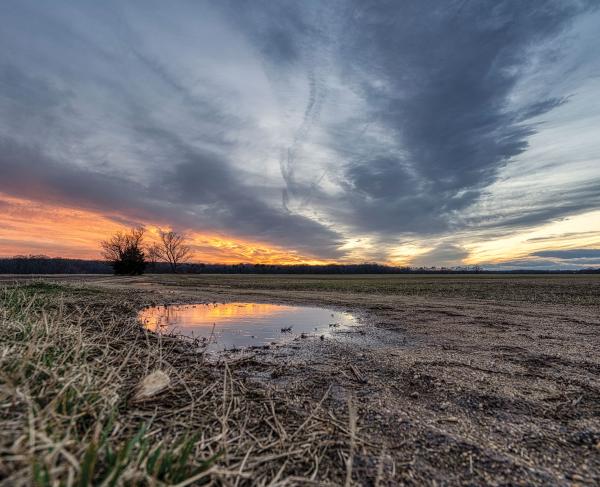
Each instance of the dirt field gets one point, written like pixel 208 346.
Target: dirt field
pixel 456 379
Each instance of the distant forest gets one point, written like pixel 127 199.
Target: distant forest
pixel 41 264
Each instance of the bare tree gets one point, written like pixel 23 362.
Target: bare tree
pixel 124 251
pixel 153 254
pixel 172 249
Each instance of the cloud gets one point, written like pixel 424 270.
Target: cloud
pixel 306 125
pixel 137 131
pixel 564 235
pixel 199 193
pixel 444 255
pixel 554 203
pixel 543 264
pixel 570 254
pixel 439 78
pixel 536 264
pixel 553 259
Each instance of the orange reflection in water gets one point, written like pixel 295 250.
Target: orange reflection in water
pixel 235 325
pixel 206 315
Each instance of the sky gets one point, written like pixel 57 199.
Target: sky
pixel 420 133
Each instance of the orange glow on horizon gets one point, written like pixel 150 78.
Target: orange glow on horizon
pixel 29 227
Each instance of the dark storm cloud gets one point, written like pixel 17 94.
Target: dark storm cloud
pixel 279 30
pixel 438 77
pixel 439 120
pixel 27 172
pixel 206 179
pixel 200 193
pixel 18 87
pixel 550 238
pixel 570 254
pixel 544 264
pixel 444 255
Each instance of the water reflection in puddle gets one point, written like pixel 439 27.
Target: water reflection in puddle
pixel 236 325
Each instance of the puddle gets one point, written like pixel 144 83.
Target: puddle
pixel 239 325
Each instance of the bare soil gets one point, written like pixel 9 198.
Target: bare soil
pixel 457 379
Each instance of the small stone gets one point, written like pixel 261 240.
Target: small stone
pixel 450 419
pixel 152 384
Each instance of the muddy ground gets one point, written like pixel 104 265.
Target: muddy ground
pixel 458 379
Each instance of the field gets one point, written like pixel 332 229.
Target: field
pixel 448 380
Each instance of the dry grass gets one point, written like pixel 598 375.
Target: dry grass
pixel 581 290
pixel 87 397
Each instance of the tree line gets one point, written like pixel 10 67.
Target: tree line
pixel 42 264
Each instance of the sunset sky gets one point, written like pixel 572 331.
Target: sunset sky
pixel 404 132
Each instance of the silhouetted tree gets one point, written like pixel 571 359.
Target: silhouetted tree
pixel 153 255
pixel 124 251
pixel 172 248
